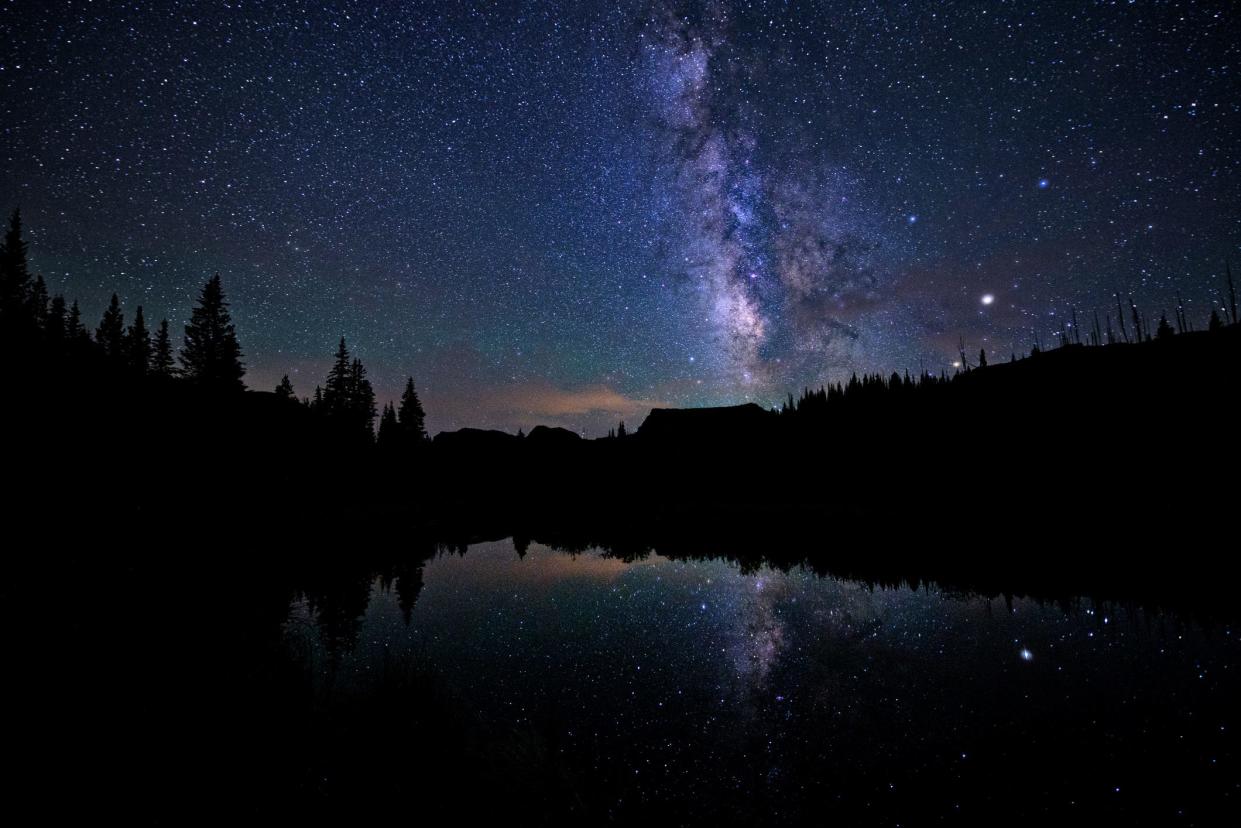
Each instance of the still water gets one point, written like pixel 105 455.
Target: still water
pixel 695 690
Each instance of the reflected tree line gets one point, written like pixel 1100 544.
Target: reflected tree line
pixel 337 592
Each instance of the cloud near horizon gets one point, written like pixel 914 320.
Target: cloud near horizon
pixel 550 401
pixel 590 408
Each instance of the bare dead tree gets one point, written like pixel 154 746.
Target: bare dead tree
pixel 1232 292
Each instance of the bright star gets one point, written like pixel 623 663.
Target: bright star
pixel 1026 655
pixel 1043 183
pixel 987 298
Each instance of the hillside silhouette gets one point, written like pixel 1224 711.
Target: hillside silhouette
pixel 1119 433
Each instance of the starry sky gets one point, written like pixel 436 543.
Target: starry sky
pixel 568 213
pixel 790 695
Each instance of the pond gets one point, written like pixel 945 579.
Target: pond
pixel 589 686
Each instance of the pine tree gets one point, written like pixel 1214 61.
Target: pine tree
pixel 161 360
pixel 389 435
pixel 620 430
pixel 54 331
pixel 111 331
pixel 1215 322
pixel 285 389
pixel 336 389
pixel 138 344
pixel 348 398
pixel 361 401
pixel 14 274
pixel 1232 292
pixel 75 333
pixel 316 402
pixel 1164 331
pixel 411 417
pixel 211 355
pixel 982 358
pixel 37 303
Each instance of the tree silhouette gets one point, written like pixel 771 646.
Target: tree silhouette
pixel 76 334
pixel 14 276
pixel 361 400
pixel 620 430
pixel 111 331
pixel 54 331
pixel 336 388
pixel 36 303
pixel 138 344
pixel 1215 323
pixel 211 355
pixel 1164 331
pixel 285 389
pixel 348 397
pixel 982 358
pixel 411 417
pixel 1232 292
pixel 388 436
pixel 161 359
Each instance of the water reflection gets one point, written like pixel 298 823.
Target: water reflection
pixel 600 686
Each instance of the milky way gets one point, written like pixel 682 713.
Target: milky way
pixel 569 215
pixel 775 251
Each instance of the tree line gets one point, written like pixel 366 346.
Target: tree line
pixel 209 357
pixel 873 387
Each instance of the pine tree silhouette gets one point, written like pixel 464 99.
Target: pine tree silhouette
pixel 110 335
pixel 76 335
pixel 411 417
pixel 620 430
pixel 361 401
pixel 336 388
pixel 161 359
pixel 388 436
pixel 54 331
pixel 1164 331
pixel 1215 323
pixel 138 344
pixel 285 389
pixel 211 355
pixel 14 277
pixel 1232 292
pixel 348 398
pixel 982 358
pixel 36 303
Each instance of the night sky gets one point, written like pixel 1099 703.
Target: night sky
pixel 779 697
pixel 569 213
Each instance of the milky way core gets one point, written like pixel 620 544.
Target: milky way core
pixel 569 214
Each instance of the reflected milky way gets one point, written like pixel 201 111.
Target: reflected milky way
pixel 676 680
